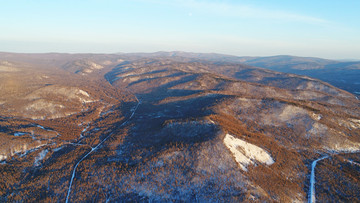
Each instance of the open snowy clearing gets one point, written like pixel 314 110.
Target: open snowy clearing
pixel 246 153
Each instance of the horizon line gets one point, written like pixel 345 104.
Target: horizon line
pixel 189 52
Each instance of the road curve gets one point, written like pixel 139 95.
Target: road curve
pixel 312 197
pixel 96 147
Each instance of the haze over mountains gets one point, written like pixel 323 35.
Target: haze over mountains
pixel 177 126
pixel 343 74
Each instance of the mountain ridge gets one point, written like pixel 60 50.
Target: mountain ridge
pixel 172 128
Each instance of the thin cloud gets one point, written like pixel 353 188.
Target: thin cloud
pixel 242 11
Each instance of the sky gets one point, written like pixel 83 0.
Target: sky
pixel 317 28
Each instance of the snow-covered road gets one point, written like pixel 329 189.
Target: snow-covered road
pixel 312 179
pixel 353 162
pixel 95 148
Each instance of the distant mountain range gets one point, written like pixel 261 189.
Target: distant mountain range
pixel 345 75
pixel 340 73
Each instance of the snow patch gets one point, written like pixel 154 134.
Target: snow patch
pixel 57 149
pixel 344 146
pixel 84 100
pixel 298 198
pixel 291 112
pixel 355 123
pixel 40 126
pixel 6 66
pixel 350 161
pixel 316 117
pixel 246 153
pixel 20 134
pixel 317 130
pixel 85 129
pixel 127 74
pixel 84 93
pixel 2 157
pixel 106 112
pixel 350 123
pixel 49 130
pixel 40 157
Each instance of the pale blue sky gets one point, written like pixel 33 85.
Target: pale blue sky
pixel 321 28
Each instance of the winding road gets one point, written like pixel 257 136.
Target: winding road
pixel 312 198
pixel 95 148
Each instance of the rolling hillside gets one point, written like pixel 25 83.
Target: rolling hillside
pixel 171 127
